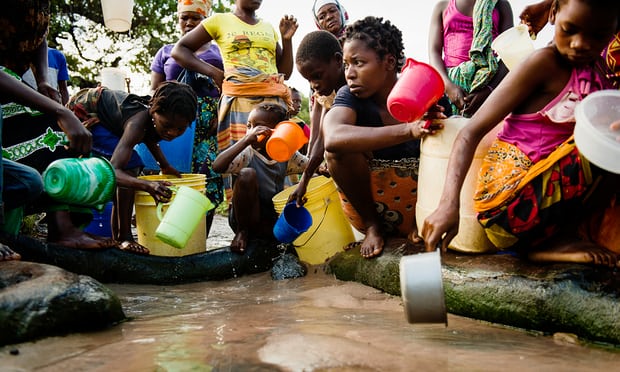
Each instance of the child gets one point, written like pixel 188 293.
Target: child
pixel 373 157
pixel 258 178
pixel 460 49
pixel 119 121
pixel 318 60
pixel 533 183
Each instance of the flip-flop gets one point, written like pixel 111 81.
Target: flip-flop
pixel 133 247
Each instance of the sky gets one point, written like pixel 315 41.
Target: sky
pixel 411 17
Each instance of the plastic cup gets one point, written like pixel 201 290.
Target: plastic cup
pixel 513 45
pixel 80 181
pixel 287 137
pixel 418 88
pixel 293 221
pixel 593 137
pixel 421 288
pixel 184 213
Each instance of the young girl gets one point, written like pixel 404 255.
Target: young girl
pixel 533 183
pixel 365 145
pixel 258 178
pixel 119 121
pixel 460 38
pixel 318 60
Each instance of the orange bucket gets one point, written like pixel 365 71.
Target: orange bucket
pixel 287 137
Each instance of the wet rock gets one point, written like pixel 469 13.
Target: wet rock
pixel 41 300
pixel 500 288
pixel 288 266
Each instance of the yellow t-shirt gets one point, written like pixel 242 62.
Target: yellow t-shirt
pixel 243 45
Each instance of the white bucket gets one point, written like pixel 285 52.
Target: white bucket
pixel 513 45
pixel 434 155
pixel 113 78
pixel 117 14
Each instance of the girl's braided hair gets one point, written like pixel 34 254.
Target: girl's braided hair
pixel 381 36
pixel 172 98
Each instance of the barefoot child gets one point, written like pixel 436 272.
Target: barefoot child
pixel 257 178
pixel 119 121
pixel 318 60
pixel 533 183
pixel 373 157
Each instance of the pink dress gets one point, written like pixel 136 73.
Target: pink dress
pixel 539 133
pixel 458 33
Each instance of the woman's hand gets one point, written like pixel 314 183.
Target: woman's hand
pixel 80 138
pixel 536 16
pixel 474 100
pixel 422 128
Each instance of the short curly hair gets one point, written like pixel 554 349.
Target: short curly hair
pixel 381 36
pixel 320 45
pixel 277 112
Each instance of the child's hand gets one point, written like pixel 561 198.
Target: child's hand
pixel 615 127
pixel 258 134
pixel 160 191
pixel 474 100
pixel 169 169
pixel 288 27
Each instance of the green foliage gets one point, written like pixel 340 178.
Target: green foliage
pixel 77 29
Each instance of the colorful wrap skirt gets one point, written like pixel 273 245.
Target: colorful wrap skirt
pixel 394 185
pixel 525 203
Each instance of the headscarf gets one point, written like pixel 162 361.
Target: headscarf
pixel 199 6
pixel 318 4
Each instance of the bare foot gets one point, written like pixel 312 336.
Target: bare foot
pixel 81 240
pixel 577 252
pixel 7 254
pixel 239 242
pixel 133 247
pixel 372 245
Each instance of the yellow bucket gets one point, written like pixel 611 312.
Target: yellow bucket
pixel 147 220
pixel 330 231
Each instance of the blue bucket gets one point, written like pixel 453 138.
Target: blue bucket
pixel 101 223
pixel 292 222
pixel 178 152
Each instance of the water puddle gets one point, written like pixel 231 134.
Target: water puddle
pixel 314 323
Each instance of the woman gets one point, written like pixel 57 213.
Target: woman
pixel 190 13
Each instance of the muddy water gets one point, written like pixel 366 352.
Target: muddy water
pixel 313 323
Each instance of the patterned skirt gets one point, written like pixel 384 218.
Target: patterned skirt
pixel 394 185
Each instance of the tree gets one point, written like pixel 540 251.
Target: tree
pixel 77 28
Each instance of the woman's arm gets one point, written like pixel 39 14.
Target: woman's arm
pixel 12 90
pixel 183 52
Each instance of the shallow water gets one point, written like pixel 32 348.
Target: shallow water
pixel 314 323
